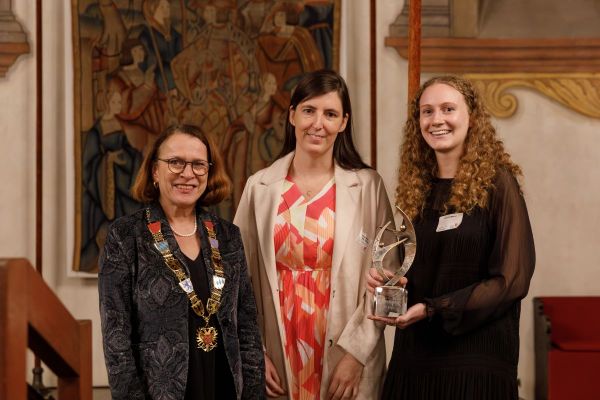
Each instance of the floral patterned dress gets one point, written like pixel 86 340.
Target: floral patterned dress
pixel 303 236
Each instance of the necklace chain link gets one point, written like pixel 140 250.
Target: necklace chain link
pixel 206 337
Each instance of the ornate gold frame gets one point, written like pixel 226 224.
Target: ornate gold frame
pixel 578 91
pixel 563 70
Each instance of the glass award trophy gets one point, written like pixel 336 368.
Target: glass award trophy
pixel 390 300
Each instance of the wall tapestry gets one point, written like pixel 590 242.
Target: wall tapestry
pixel 227 66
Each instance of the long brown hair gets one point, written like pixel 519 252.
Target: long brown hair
pixel 218 186
pixel 318 83
pixel 483 156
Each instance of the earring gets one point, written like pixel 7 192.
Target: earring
pixel 155 183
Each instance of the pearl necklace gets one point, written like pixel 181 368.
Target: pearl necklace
pixel 186 234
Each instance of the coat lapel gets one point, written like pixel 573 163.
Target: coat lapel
pixel 268 197
pixel 157 214
pixel 347 198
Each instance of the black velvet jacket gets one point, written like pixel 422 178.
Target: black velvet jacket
pixel 144 312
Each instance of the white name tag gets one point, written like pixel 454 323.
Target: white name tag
pixel 450 221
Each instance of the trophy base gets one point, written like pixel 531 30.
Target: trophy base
pixel 389 301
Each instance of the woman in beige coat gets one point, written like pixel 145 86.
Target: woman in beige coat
pixel 307 223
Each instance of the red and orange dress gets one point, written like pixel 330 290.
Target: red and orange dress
pixel 303 235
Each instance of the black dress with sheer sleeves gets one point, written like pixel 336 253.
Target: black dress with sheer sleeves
pixel 473 277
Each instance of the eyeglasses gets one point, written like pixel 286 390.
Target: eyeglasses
pixel 177 165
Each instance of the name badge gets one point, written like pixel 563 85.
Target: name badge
pixel 450 221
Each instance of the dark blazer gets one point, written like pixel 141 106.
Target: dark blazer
pixel 144 312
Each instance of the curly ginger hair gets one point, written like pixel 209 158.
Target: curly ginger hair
pixel 483 157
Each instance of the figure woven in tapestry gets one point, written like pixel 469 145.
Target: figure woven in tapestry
pixel 227 66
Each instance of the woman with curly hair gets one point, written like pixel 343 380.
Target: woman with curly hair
pixel 459 339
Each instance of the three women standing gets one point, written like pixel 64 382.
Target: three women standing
pixel 306 222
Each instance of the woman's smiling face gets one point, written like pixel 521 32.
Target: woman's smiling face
pixel 180 190
pixel 317 122
pixel 444 119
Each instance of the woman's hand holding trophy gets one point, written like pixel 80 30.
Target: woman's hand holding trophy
pixel 389 295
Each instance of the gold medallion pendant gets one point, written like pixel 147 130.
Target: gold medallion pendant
pixel 206 338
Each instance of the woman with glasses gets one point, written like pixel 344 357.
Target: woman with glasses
pixel 307 222
pixel 177 309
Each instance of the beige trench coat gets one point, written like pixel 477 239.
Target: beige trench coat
pixel 361 207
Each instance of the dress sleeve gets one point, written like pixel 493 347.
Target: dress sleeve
pixel 116 307
pixel 510 266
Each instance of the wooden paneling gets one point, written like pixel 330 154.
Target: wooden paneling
pixel 465 55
